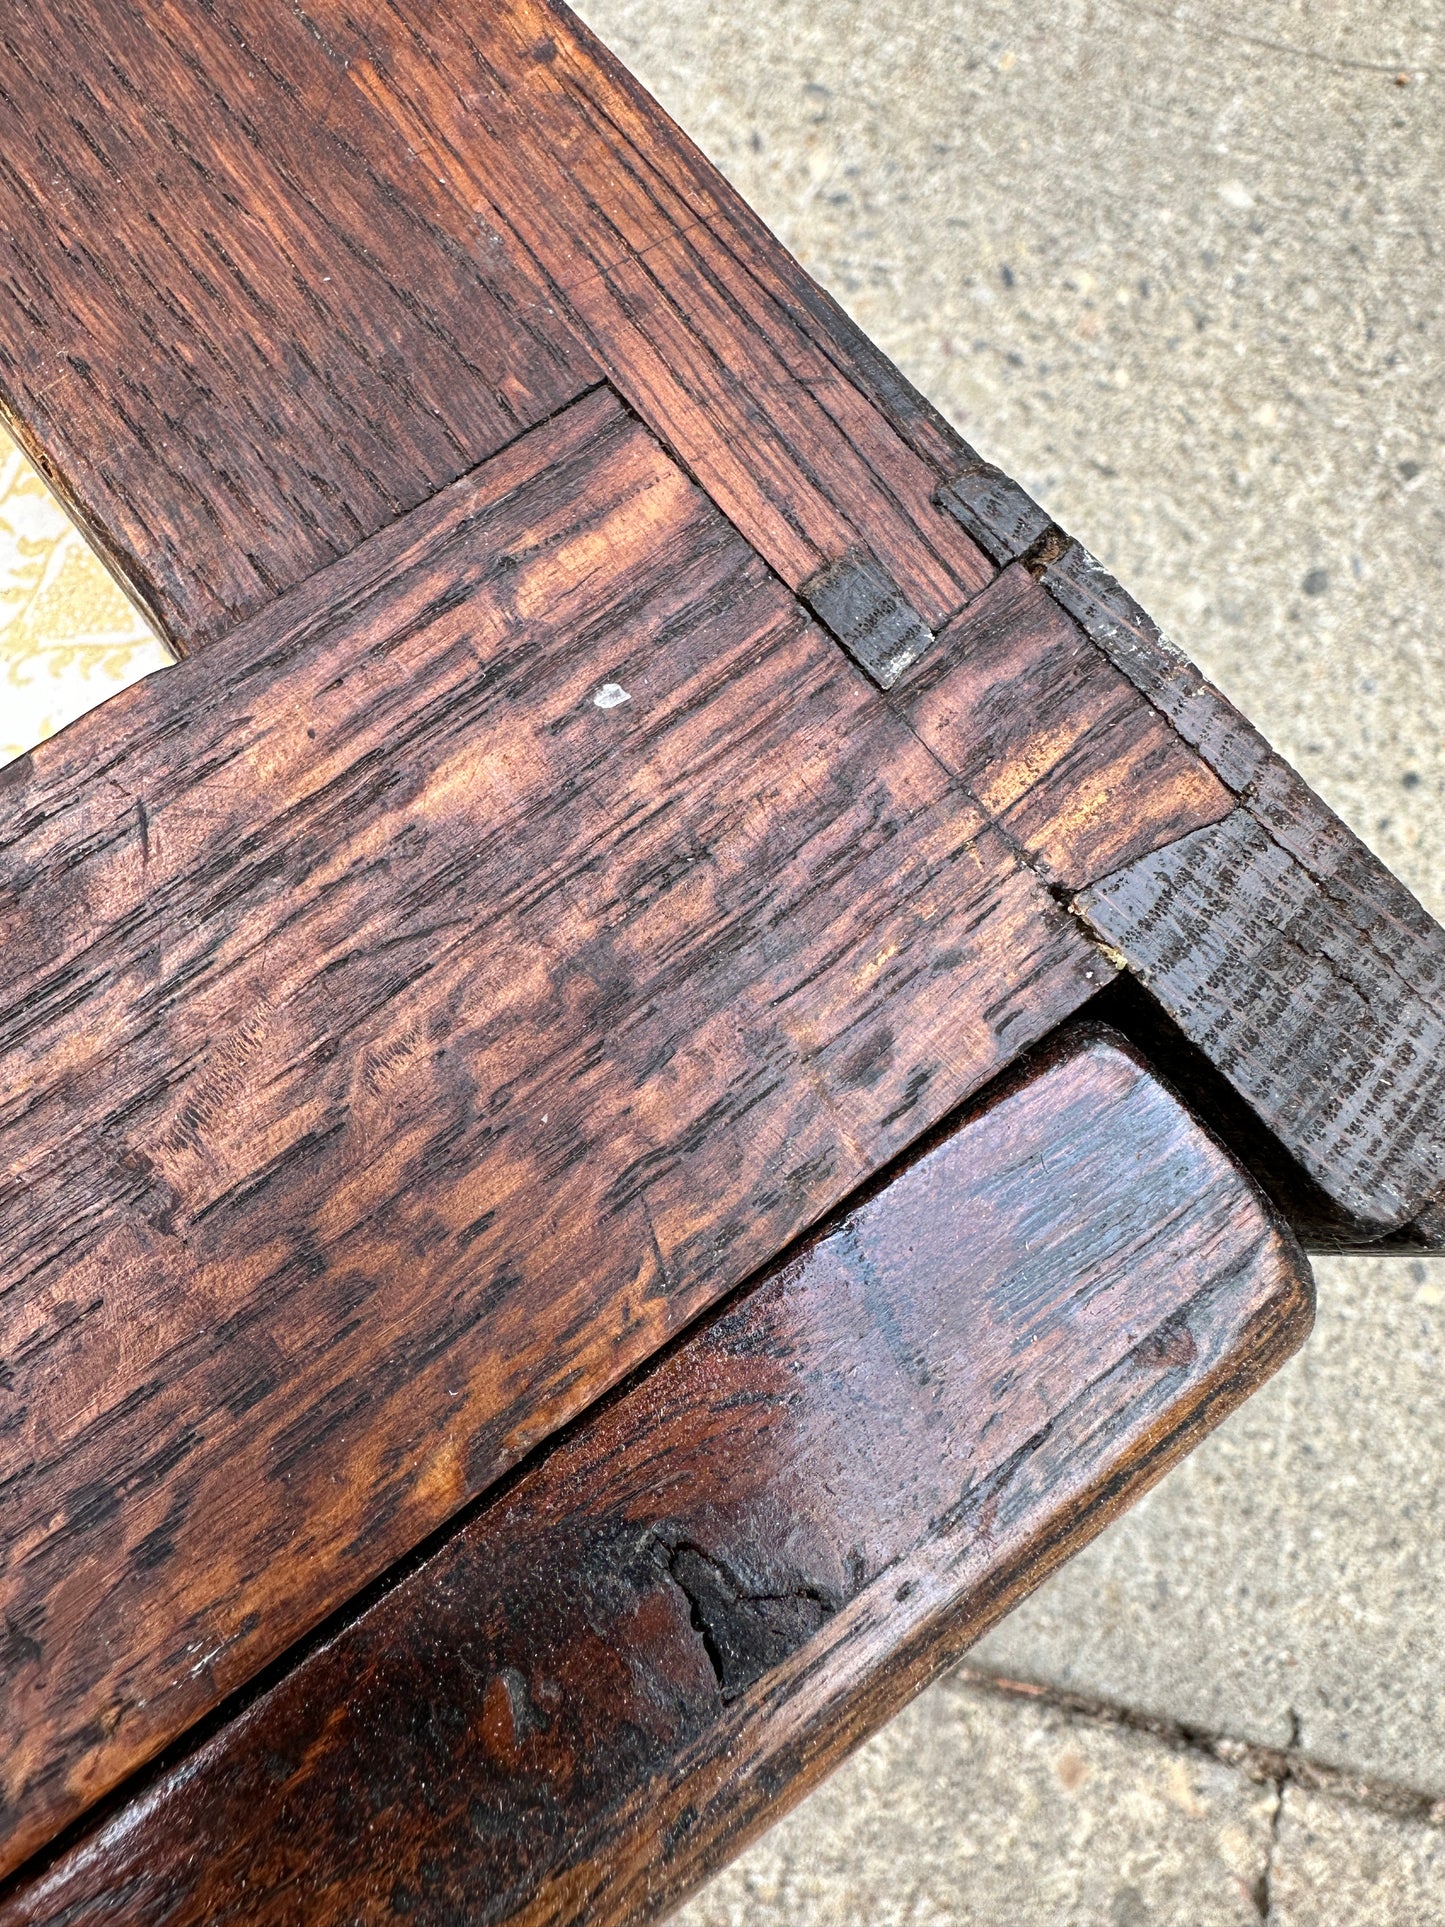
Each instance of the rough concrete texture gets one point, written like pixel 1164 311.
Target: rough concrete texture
pixel 1176 265
pixel 1284 1584
pixel 933 1821
pixel 1337 1865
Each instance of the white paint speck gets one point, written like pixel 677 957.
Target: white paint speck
pixel 611 696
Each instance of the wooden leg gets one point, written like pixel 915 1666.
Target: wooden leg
pixel 678 1618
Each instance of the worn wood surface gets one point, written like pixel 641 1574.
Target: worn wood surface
pixel 1368 905
pixel 679 294
pixel 1054 742
pixel 510 942
pixel 1305 973
pixel 771 401
pixel 1317 1220
pixel 246 328
pixel 1342 1059
pixel 522 919
pixel 672 1625
pixel 1320 993
pixel 241 335
pixel 425 190
pixel 860 606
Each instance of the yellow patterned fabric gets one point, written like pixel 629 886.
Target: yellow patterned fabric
pixel 69 636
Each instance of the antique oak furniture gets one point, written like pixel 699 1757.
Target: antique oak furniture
pixel 675 1055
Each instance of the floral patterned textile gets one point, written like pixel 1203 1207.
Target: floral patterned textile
pixel 69 635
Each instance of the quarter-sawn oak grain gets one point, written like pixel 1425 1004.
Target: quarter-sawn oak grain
pixel 1322 997
pixel 240 336
pixel 1052 740
pixel 671 283
pixel 398 1043
pixel 779 408
pixel 500 154
pixel 396 1046
pixel 738 1567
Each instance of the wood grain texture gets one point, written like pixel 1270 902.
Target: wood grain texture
pixel 998 512
pixel 451 165
pixel 1427 1232
pixel 1343 1061
pixel 1367 901
pixel 448 1039
pixel 1316 983
pixel 1320 1223
pixel 239 336
pixel 1059 747
pixel 859 604
pixel 679 1619
pixel 418 1006
pixel 696 313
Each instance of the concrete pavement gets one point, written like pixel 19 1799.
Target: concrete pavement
pixel 1178 266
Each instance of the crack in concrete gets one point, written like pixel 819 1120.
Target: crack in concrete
pixel 1264 1886
pixel 1212 29
pixel 1263 1895
pixel 1279 1767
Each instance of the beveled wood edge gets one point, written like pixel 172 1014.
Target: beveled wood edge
pixel 93 533
pixel 936 1637
pixel 798 1731
pixel 1004 524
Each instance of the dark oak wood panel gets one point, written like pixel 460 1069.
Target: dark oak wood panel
pixel 537 130
pixel 1341 1058
pixel 518 926
pixel 689 294
pixel 1320 991
pixel 239 338
pixel 506 945
pixel 722 1580
pixel 645 179
pixel 497 152
pixel 1365 899
pixel 1055 743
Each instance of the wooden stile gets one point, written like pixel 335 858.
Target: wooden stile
pixel 449 1040
pixel 721 1580
pixel 241 337
pixel 636 774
